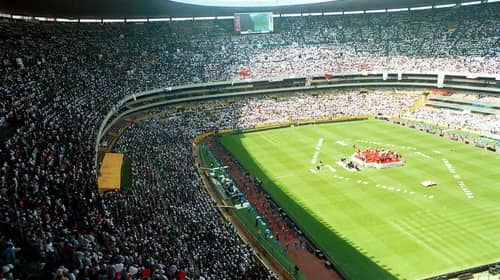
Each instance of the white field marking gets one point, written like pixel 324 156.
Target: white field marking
pixel 448 165
pixel 320 143
pixel 362 182
pixel 380 186
pixel 341 143
pixel 422 154
pixel 400 190
pixel 386 144
pixel 341 177
pixel 315 157
pixel 331 168
pixel 437 152
pixel 316 153
pixel 457 178
pixel 269 139
pixel 313 171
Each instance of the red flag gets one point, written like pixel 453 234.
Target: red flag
pixel 244 73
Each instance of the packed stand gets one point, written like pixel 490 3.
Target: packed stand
pixel 457 119
pixel 465 118
pixel 449 40
pixel 183 226
pixel 304 106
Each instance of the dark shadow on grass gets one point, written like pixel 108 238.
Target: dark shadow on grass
pixel 349 261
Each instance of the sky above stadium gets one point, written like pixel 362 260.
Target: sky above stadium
pixel 250 3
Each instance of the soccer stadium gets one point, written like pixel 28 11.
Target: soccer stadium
pixel 237 139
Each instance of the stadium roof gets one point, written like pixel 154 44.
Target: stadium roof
pixel 167 8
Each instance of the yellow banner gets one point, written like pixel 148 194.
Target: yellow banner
pixel 110 172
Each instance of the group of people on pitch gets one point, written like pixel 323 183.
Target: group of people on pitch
pixel 378 156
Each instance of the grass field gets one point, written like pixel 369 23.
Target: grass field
pixel 382 224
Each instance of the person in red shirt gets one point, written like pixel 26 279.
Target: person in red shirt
pixel 146 273
pixel 180 275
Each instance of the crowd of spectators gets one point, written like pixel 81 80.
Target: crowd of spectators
pixel 321 60
pixel 455 41
pixel 302 106
pixel 150 54
pixel 168 215
pixel 486 99
pixel 57 80
pixel 458 119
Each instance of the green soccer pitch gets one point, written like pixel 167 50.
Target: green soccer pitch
pixel 381 224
